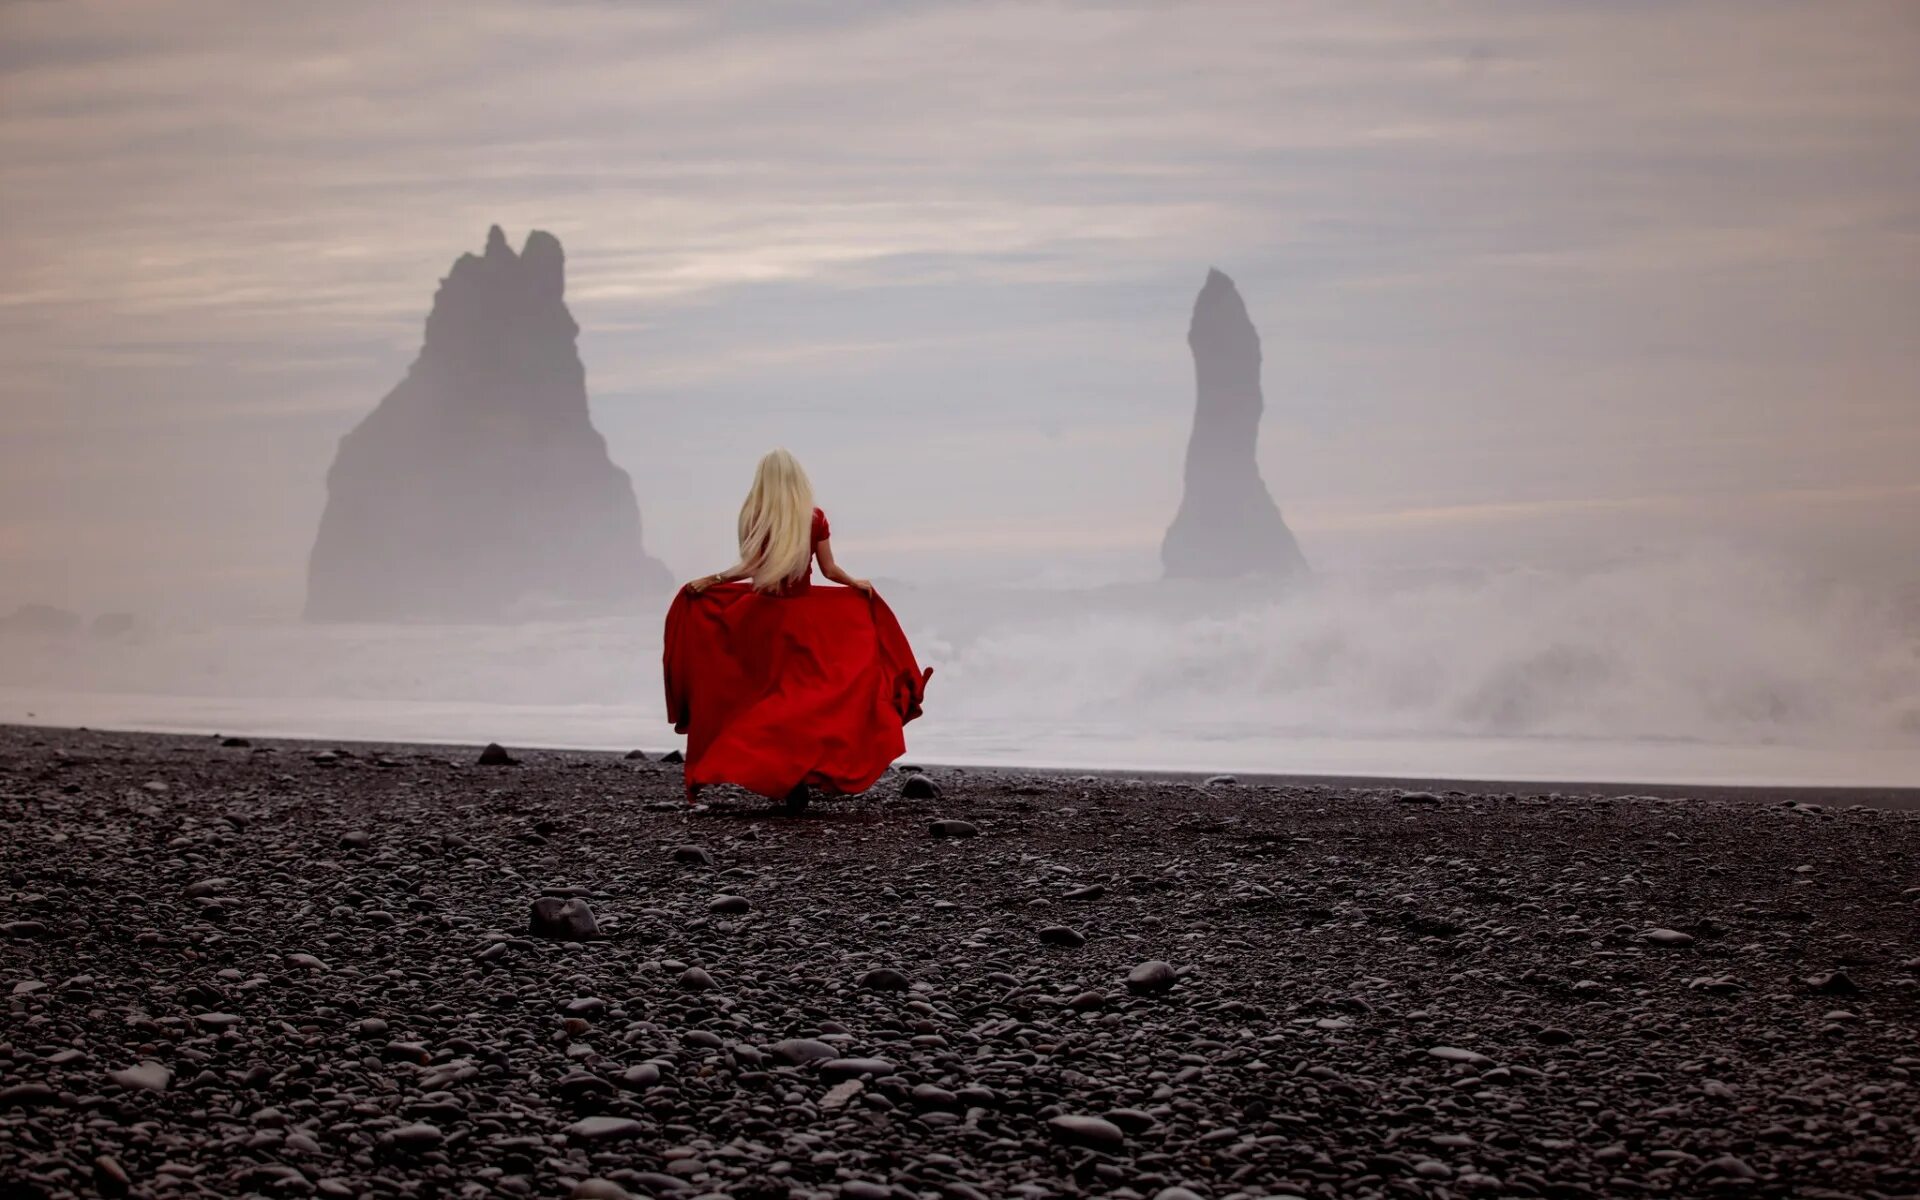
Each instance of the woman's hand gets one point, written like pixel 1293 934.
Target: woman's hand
pixel 702 584
pixel 865 585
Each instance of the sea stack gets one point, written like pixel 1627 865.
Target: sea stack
pixel 478 489
pixel 1228 524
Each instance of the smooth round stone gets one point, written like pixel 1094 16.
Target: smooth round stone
pixel 27 1095
pixel 1093 1133
pixel 600 1189
pixel 603 1129
pixel 421 1136
pixel 1092 891
pixel 1456 1055
pixel 640 1076
pixel 919 787
pixel 110 1177
pixel 885 979
pixel 1060 935
pixel 1221 781
pixel 696 855
pixel 1667 937
pixel 841 1094
pixel 844 1068
pixel 729 904
pixel 953 829
pixel 1150 977
pixel 148 1076
pixel 693 979
pixel 1132 1120
pixel 794 1051
pixel 216 1020
pixel 1727 1167
pixel 581 1085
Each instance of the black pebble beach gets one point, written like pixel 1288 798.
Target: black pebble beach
pixel 284 969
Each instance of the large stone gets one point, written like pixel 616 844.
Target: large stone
pixel 493 754
pixel 1151 977
pixel 795 1051
pixel 885 979
pixel 478 488
pixel 568 920
pixel 148 1076
pixel 1227 524
pixel 1093 1133
pixel 604 1129
pixel 847 1068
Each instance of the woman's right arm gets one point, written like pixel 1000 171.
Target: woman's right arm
pixel 736 571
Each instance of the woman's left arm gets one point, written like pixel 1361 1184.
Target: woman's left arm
pixel 831 569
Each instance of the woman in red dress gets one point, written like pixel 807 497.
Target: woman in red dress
pixel 778 685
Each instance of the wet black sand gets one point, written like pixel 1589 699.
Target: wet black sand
pixel 325 968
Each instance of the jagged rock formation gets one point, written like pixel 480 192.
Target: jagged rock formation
pixel 478 488
pixel 1228 524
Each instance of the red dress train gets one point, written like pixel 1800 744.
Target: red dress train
pixel 809 686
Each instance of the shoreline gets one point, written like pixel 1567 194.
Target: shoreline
pixel 1892 798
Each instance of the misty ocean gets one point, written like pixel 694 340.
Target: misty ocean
pixel 1686 670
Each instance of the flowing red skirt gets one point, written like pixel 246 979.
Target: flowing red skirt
pixel 776 691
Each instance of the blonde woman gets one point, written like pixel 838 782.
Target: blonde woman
pixel 782 687
pixel 781 533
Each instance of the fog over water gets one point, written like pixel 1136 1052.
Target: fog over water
pixel 1585 335
pixel 1695 669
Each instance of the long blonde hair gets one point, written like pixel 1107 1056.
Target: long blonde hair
pixel 776 523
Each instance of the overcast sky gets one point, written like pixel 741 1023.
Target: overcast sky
pixel 1533 279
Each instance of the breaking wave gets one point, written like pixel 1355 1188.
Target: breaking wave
pixel 1714 650
pixel 1707 650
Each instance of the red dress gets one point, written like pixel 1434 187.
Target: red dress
pixel 811 685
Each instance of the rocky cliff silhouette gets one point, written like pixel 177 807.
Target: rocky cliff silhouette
pixel 1228 524
pixel 478 489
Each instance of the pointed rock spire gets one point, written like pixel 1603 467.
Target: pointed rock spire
pixel 1228 524
pixel 478 488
